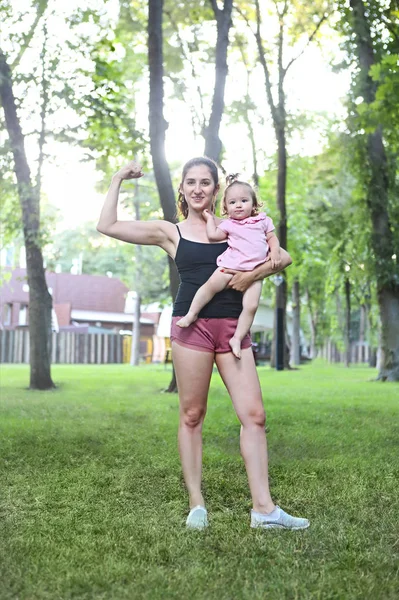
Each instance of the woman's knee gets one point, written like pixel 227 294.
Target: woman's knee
pixel 192 416
pixel 255 418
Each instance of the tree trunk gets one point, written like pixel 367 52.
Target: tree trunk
pixel 278 114
pixel 377 202
pixel 213 144
pixel 247 118
pixel 251 134
pixel 135 348
pixel 372 356
pixel 389 310
pixel 43 112
pixel 281 205
pixel 313 326
pixel 41 8
pixel 136 285
pixel 282 185
pixel 158 126
pixel 40 301
pixel 296 325
pixel 347 322
pixel 362 334
pixel 157 122
pixel 340 317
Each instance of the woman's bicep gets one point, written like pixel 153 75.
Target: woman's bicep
pixel 152 233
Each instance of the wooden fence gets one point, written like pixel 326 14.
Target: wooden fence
pixel 67 347
pixel 360 352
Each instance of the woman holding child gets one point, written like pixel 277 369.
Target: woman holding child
pixel 215 328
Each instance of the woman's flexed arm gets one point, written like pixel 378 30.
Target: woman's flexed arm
pixel 156 233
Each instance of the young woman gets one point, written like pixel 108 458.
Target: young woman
pixel 196 348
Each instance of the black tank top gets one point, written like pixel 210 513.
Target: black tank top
pixel 196 261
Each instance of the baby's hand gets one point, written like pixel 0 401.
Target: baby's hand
pixel 275 257
pixel 207 215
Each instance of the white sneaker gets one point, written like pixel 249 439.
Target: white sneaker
pixel 197 518
pixel 278 519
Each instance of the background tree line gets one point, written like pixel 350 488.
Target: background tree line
pixel 337 210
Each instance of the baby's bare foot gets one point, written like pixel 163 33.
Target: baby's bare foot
pixel 186 321
pixel 235 345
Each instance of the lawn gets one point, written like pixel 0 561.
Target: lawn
pixel 92 503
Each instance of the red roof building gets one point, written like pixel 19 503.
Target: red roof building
pixel 79 301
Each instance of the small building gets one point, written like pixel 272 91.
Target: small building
pixel 81 303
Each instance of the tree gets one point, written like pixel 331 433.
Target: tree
pixel 157 121
pixel 245 110
pixel 213 144
pixel 276 99
pixel 377 182
pixel 42 98
pixel 40 302
pixel 189 20
pixel 158 127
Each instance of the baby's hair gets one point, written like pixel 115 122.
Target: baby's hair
pixel 231 180
pixel 195 162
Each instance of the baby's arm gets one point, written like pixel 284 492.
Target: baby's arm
pixel 274 245
pixel 214 233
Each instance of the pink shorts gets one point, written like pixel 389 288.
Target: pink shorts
pixel 207 335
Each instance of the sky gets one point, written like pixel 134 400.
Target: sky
pixel 69 183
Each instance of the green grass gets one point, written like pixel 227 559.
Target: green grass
pixel 93 504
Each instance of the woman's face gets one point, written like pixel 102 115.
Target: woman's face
pixel 199 188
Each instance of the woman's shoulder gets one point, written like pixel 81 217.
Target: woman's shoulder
pixel 193 232
pixel 169 229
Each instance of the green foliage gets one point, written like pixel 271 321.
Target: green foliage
pixel 329 233
pixel 42 67
pixel 367 115
pixel 144 270
pixel 103 91
pixel 188 54
pixel 98 77
pixel 10 208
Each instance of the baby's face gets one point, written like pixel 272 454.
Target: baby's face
pixel 238 202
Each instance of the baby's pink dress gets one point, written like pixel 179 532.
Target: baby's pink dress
pixel 248 247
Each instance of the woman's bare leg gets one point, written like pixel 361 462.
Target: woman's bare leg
pixel 250 303
pixel 242 383
pixel 216 283
pixel 193 374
